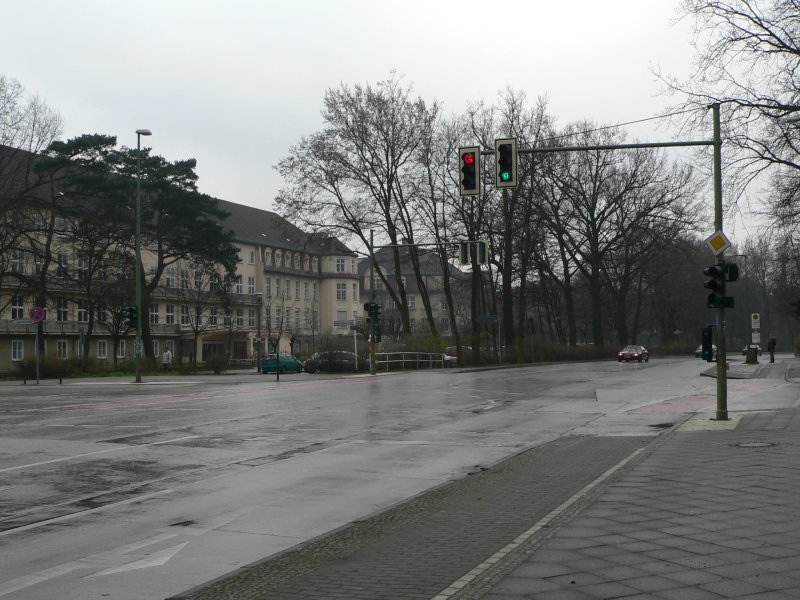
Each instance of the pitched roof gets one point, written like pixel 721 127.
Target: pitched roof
pixel 264 227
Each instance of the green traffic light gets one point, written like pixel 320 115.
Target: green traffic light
pixel 505 175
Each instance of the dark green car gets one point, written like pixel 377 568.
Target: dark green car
pixel 286 363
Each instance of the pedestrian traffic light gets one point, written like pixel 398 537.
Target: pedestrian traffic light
pixel 470 175
pixel 131 312
pixel 707 344
pixel 505 158
pixel 463 253
pixel 716 299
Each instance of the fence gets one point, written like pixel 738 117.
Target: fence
pixel 387 361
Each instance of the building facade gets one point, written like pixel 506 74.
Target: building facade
pixel 289 288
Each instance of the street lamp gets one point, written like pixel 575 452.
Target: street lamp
pixel 138 347
pixel 259 300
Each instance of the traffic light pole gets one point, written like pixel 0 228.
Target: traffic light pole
pixel 722 358
pixel 716 142
pixel 372 302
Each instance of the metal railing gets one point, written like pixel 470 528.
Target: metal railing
pixel 408 360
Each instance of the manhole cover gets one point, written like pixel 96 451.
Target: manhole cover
pixel 755 445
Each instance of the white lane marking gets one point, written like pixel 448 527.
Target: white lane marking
pixel 81 513
pixel 458 585
pixel 26 581
pixel 120 449
pixel 157 559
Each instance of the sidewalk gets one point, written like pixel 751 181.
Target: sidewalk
pixel 713 511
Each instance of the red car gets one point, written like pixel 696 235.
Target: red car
pixel 632 352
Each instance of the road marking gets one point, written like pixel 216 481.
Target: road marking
pixel 458 585
pixel 157 559
pixel 89 511
pixel 119 449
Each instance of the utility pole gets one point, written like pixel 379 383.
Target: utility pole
pixel 372 302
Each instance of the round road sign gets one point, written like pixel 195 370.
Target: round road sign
pixel 36 314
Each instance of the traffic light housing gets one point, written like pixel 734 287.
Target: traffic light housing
pixel 466 249
pixel 707 344
pixel 731 272
pixel 505 159
pixel 131 312
pixel 716 299
pixel 470 170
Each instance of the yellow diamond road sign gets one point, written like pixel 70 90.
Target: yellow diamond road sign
pixel 718 242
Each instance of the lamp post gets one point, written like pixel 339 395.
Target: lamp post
pixel 138 348
pixel 259 299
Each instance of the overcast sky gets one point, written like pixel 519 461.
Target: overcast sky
pixel 235 83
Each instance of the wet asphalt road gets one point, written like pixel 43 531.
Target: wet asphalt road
pixel 110 489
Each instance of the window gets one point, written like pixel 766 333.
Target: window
pixel 340 265
pixel 184 279
pixel 62 310
pixel 277 287
pixel 413 323
pixel 155 347
pixel 268 287
pixel 83 311
pixel 184 314
pixel 240 317
pixel 297 319
pixel 267 257
pixel 445 324
pixel 62 265
pixel 154 314
pixel 252 257
pixel 40 222
pixel 169 345
pixel 239 285
pixel 355 292
pixel 341 317
pixel 62 351
pixel 212 316
pixel 83 268
pixel 170 314
pixel 316 292
pixel 102 349
pixel 170 281
pixel 315 322
pixel 297 290
pixel 341 291
pixel 251 317
pixel 17 261
pixel 305 291
pixel 17 350
pixel 315 264
pixel 121 349
pixel 17 307
pixel 412 302
pixel 251 285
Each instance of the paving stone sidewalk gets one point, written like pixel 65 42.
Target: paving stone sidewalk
pixel 708 514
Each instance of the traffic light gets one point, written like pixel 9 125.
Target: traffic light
pixel 483 257
pixel 467 249
pixel 716 299
pixel 707 342
pixel 131 312
pixel 505 158
pixel 470 165
pixel 731 272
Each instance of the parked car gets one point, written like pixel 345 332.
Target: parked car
pixel 633 352
pixel 450 355
pixel 698 353
pixel 287 363
pixel 331 361
pixel 758 349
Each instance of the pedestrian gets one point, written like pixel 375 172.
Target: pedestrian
pixel 166 360
pixel 771 347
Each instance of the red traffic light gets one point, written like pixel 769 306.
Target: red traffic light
pixel 469 158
